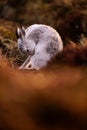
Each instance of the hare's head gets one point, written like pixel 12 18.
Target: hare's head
pixel 24 44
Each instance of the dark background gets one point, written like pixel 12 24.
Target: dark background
pixel 68 17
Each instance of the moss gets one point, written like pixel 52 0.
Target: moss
pixel 5 33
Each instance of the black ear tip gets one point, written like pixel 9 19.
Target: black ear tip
pixel 23 30
pixel 17 31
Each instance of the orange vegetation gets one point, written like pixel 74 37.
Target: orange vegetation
pixel 54 98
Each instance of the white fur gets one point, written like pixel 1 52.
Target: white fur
pixel 42 43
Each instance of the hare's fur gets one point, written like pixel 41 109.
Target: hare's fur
pixel 41 42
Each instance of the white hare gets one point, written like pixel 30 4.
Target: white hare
pixel 41 42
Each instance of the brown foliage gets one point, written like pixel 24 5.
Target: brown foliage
pixel 52 98
pixel 67 16
pixel 74 54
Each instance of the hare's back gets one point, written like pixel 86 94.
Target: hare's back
pixel 41 34
pixel 38 30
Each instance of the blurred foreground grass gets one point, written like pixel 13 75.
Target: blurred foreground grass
pixel 54 98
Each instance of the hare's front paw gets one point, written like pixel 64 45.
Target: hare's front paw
pixel 26 68
pixel 29 68
pixel 21 68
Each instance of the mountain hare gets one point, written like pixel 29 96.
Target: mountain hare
pixel 41 43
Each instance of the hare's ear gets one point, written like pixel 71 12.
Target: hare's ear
pixel 20 32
